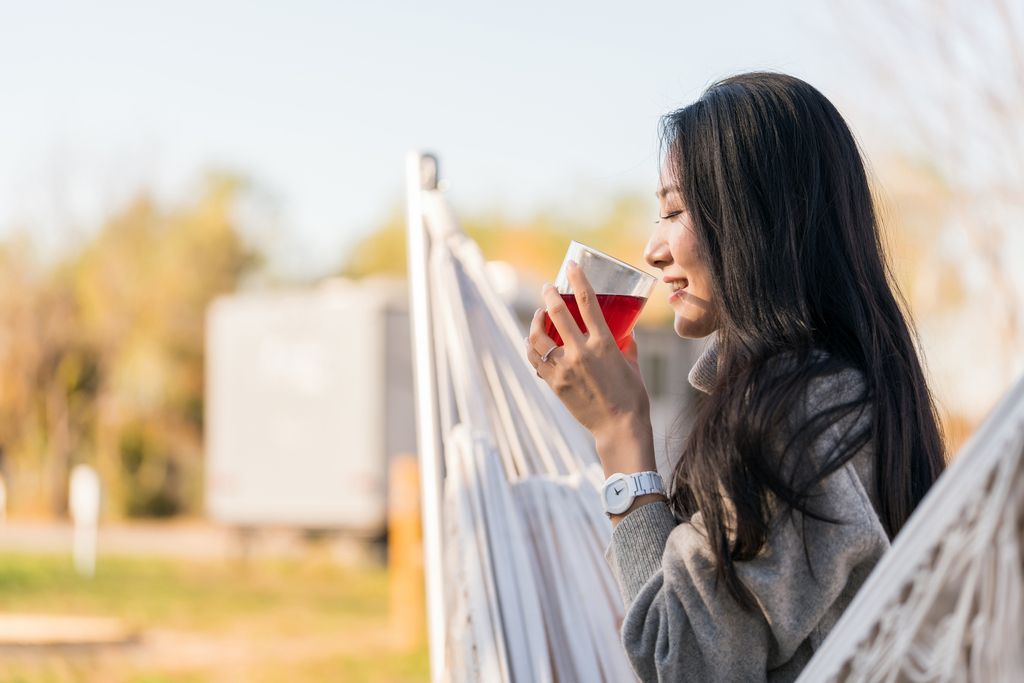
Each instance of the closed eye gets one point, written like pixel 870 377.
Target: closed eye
pixel 670 216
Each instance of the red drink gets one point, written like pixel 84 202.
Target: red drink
pixel 620 311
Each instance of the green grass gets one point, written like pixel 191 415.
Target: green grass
pixel 297 621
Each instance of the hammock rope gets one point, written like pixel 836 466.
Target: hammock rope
pixel 517 585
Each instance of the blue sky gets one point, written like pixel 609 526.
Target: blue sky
pixel 528 105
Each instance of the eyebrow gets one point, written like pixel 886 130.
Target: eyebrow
pixel 664 191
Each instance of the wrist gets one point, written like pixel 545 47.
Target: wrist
pixel 638 502
pixel 626 446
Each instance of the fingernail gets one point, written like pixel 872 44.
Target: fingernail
pixel 547 285
pixel 570 265
pixel 526 342
pixel 537 312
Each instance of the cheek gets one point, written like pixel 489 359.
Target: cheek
pixel 684 248
pixel 686 254
pixel 700 283
pixel 696 311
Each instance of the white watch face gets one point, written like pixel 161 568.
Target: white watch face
pixel 616 495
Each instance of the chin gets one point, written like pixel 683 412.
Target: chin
pixel 692 329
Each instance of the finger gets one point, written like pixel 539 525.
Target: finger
pixel 534 356
pixel 535 361
pixel 538 339
pixel 531 355
pixel 561 317
pixel 586 298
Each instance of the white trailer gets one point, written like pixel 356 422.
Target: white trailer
pixel 308 393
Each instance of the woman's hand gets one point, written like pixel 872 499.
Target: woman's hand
pixel 599 383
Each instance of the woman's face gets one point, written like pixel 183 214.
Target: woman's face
pixel 673 249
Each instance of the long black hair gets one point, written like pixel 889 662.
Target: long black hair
pixel 779 201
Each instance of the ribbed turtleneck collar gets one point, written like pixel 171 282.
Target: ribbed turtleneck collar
pixel 705 371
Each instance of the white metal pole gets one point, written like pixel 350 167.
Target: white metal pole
pixel 421 175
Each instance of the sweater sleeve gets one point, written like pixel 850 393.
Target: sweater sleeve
pixel 682 625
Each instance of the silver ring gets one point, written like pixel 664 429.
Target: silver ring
pixel 544 358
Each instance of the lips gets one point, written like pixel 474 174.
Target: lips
pixel 677 286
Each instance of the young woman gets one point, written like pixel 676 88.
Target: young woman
pixel 817 437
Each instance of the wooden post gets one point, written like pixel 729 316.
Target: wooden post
pixel 405 554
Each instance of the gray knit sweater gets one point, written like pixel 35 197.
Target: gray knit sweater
pixel 681 625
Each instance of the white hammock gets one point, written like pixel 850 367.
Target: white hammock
pixel 517 586
pixel 946 602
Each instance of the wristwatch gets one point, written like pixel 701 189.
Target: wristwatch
pixel 620 490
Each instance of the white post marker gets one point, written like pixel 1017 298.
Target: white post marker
pixel 3 500
pixel 84 501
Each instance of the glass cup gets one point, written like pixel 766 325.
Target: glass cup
pixel 621 289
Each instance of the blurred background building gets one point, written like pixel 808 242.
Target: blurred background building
pixel 308 396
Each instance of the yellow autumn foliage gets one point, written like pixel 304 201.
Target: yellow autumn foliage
pixel 101 355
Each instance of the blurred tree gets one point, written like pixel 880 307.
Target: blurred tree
pixel 534 247
pixel 101 355
pixel 382 252
pixel 943 86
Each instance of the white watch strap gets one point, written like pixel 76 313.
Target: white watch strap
pixel 643 483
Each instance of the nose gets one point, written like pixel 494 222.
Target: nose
pixel 657 252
